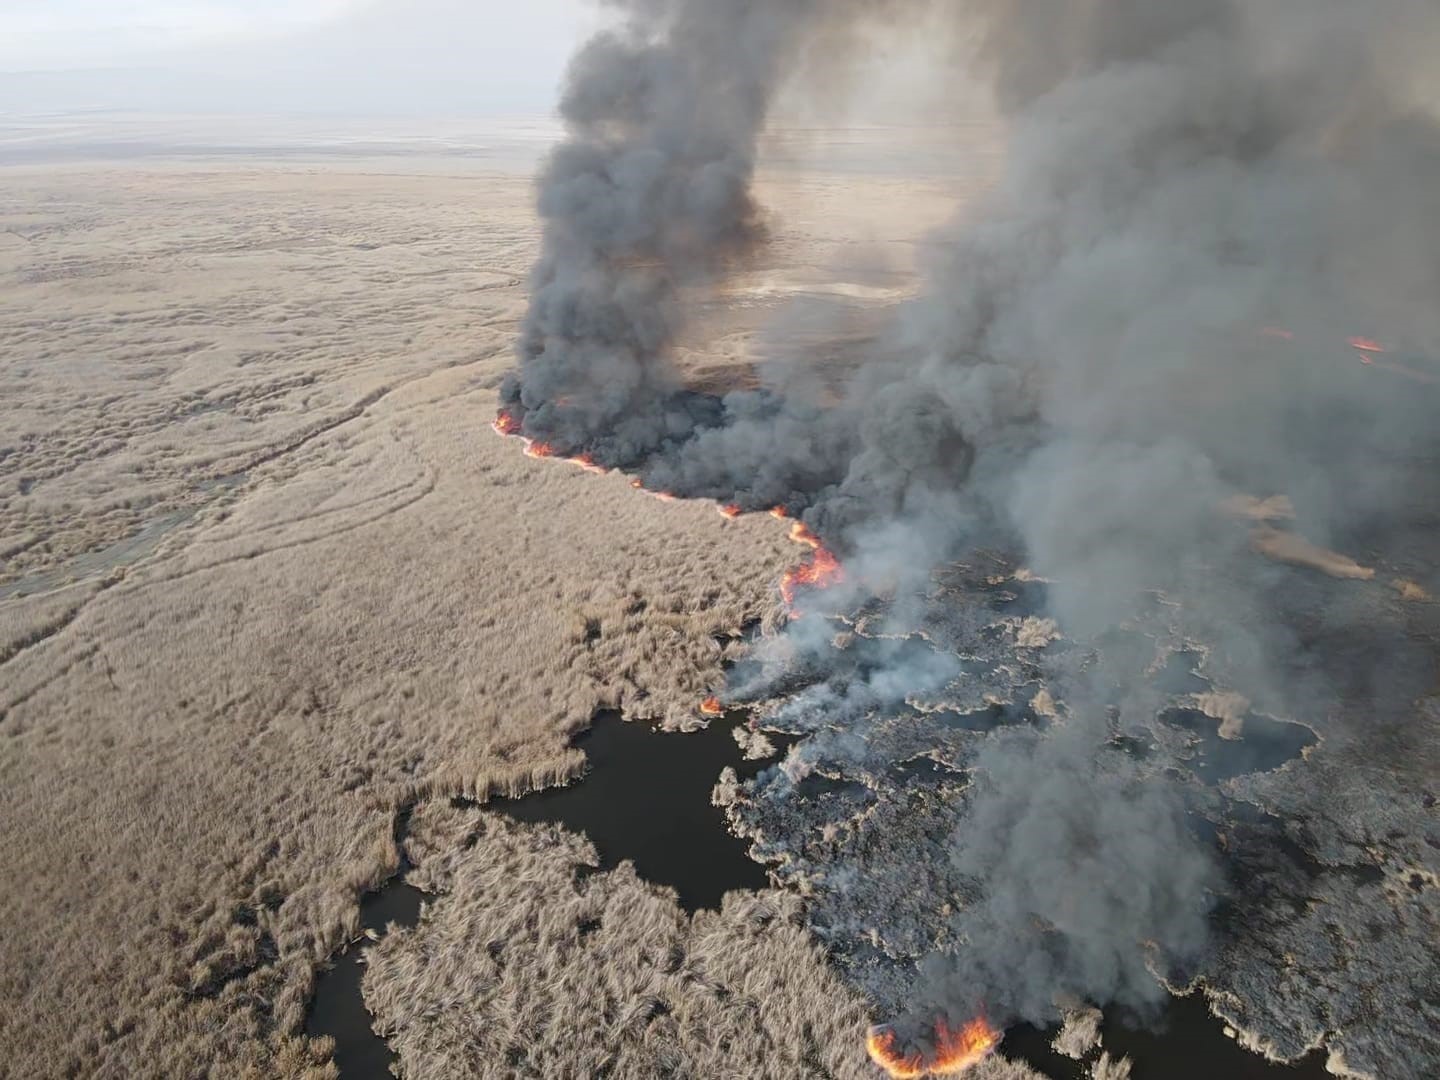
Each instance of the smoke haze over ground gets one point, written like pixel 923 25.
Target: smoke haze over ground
pixel 1148 318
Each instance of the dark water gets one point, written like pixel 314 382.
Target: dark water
pixel 1187 1043
pixel 338 1009
pixel 1265 744
pixel 646 798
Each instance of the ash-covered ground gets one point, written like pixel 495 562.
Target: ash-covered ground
pixel 1324 825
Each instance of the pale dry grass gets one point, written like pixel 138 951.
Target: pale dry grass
pixel 522 969
pixel 1109 1068
pixel 204 757
pixel 1290 548
pixel 246 408
pixel 1227 707
pixel 1080 1033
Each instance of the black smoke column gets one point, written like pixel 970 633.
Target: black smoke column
pixel 650 192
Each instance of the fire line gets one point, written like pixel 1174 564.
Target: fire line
pixel 820 571
pixel 955 1051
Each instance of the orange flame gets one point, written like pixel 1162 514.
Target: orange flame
pixel 880 1044
pixel 822 571
pixel 958 1050
pixel 663 496
pixel 508 424
pixel 955 1051
pixel 800 534
pixel 711 707
pixel 730 510
pixel 1363 345
pixel 586 462
pixel 779 512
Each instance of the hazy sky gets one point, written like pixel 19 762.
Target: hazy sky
pixel 359 56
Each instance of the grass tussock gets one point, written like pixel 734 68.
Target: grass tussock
pixel 524 968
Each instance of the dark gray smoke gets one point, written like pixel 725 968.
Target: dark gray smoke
pixel 1093 370
pixel 649 194
pixel 1086 874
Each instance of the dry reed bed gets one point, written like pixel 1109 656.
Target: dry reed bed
pixel 203 754
pixel 522 967
pixel 362 597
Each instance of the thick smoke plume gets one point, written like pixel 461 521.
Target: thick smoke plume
pixel 648 195
pixel 1147 319
pixel 1087 873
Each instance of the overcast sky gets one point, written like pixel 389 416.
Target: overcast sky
pixel 447 57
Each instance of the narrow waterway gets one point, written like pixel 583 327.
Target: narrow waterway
pixel 125 552
pixel 338 1009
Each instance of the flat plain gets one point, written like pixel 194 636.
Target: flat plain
pixel 269 579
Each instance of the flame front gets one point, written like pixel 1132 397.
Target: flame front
pixel 955 1051
pixel 506 424
pixel 588 463
pixel 800 534
pixel 958 1050
pixel 881 1045
pixel 822 571
pixel 711 706
pixel 663 496
pixel 1365 346
pixel 729 510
